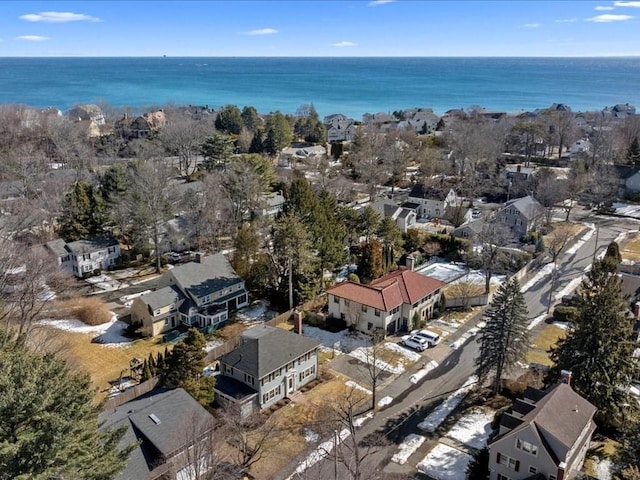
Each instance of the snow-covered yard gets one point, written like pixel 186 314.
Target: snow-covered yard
pixel 474 428
pixel 435 418
pixel 445 463
pixel 408 446
pixel 346 340
pixel 212 344
pixel 356 386
pixel 256 312
pixel 105 282
pixel 111 334
pixel 603 469
pixel 402 356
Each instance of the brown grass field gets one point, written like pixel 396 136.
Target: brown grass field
pixel 546 339
pixel 103 363
pixel 631 250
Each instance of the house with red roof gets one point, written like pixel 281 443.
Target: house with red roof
pixel 392 302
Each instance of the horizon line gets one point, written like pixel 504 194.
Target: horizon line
pixel 323 56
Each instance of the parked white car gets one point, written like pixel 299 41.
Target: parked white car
pixel 416 342
pixel 432 338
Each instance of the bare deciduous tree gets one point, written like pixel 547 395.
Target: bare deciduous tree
pixel 492 237
pixel 182 136
pixel 248 435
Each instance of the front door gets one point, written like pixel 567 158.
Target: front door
pixel 290 384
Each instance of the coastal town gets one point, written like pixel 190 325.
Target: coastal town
pixel 221 293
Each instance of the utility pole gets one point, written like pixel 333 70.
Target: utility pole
pixel 595 247
pixel 335 454
pixel 290 284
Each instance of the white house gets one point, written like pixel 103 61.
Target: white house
pixel 433 203
pixel 405 218
pixel 580 146
pixel 391 303
pixel 85 257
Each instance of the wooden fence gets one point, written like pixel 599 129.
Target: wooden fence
pixel 130 394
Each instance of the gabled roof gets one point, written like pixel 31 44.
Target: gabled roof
pixel 57 247
pixel 384 208
pixel 422 191
pixel 90 245
pixel 561 414
pixel 213 274
pixel 528 206
pixel 264 349
pixel 175 412
pixel 163 297
pixel 389 291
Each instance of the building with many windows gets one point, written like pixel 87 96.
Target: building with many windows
pixel 85 257
pixel 547 433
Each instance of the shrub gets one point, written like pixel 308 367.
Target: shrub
pixel 563 313
pixel 90 310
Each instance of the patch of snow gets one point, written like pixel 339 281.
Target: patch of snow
pixel 408 446
pixel 435 418
pixel 474 428
pixel 603 469
pixel 543 272
pixel 536 321
pixel 348 341
pixel 445 463
pixel 384 401
pixel 365 355
pixel 320 453
pixel 360 420
pixel 583 239
pixel 310 436
pixel 571 286
pixel 133 296
pixel 118 388
pixel 410 355
pixel 356 386
pixel 415 378
pixel 105 282
pixel 343 274
pixel 110 334
pixel 258 311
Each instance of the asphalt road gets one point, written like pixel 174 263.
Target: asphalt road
pixel 413 402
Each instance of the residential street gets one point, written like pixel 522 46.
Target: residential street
pixel 412 402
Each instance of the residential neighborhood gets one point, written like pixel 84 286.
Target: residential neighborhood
pixel 233 294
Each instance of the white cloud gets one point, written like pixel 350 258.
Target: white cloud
pixel 375 3
pixel 58 17
pixel 627 4
pixel 567 20
pixel 608 18
pixel 531 25
pixel 343 44
pixel 32 38
pixel 262 31
pixel 602 8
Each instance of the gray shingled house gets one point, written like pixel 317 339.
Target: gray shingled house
pixel 85 257
pixel 521 215
pixel 199 294
pixel 269 364
pixel 547 433
pixel 168 428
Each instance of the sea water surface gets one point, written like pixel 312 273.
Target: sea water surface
pixel 352 86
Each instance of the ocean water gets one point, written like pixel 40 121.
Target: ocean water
pixel 352 86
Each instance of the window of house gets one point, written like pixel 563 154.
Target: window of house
pixel 166 321
pixel 369 325
pixel 552 477
pixel 526 447
pixel 248 379
pixel 336 300
pixel 376 312
pixel 532 469
pixel 508 462
pixel 503 477
pixel 364 308
pixel 346 302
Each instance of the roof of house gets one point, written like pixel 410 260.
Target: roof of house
pixel 474 225
pixel 389 291
pixel 528 206
pixel 264 349
pixel 561 413
pixel 423 191
pixel 57 246
pixel 384 208
pixel 410 205
pixel 406 212
pixel 214 273
pixel 162 297
pixel 90 245
pixel 175 413
pixel 626 171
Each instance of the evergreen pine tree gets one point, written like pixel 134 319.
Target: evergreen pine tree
pixel 160 364
pixel 598 349
pixel 49 422
pixel 152 364
pixel 146 372
pixel 504 340
pixel 185 367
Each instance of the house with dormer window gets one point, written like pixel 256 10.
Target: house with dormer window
pixel 199 294
pixel 546 433
pixel 85 257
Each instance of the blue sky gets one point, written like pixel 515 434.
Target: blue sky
pixel 320 28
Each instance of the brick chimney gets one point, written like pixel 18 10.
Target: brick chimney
pixel 565 377
pixel 297 321
pixel 200 257
pixel 411 262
